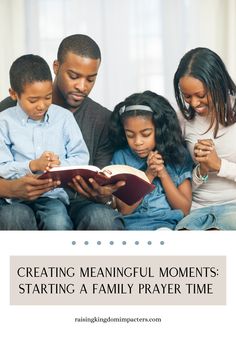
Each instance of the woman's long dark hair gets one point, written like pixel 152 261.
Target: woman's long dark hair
pixel 205 65
pixel 169 141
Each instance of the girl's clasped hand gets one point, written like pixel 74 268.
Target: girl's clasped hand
pixel 155 164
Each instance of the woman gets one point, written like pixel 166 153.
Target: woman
pixel 205 94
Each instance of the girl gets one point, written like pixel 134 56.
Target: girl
pixel 205 94
pixel 146 134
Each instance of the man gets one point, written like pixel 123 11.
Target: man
pixel 76 69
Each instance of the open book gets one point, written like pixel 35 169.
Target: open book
pixel 136 187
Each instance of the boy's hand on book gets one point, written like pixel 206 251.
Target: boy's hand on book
pixel 94 190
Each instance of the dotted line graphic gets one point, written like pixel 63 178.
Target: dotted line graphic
pixel 112 243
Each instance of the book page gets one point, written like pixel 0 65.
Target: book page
pixel 112 170
pixel 82 167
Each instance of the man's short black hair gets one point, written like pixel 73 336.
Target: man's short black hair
pixel 79 44
pixel 28 69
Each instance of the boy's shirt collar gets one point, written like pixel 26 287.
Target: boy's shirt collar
pixel 26 119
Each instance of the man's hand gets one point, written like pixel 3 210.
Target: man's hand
pixel 94 190
pixel 28 187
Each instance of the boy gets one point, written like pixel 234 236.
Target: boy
pixel 36 135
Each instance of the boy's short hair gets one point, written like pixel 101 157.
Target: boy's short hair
pixel 28 69
pixel 79 44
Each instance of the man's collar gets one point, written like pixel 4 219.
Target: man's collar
pixel 86 99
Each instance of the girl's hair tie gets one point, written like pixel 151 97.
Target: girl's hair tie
pixel 138 107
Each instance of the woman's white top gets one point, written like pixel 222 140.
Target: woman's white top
pixel 220 187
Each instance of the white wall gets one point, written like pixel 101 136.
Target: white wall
pixel 12 38
pixel 142 41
